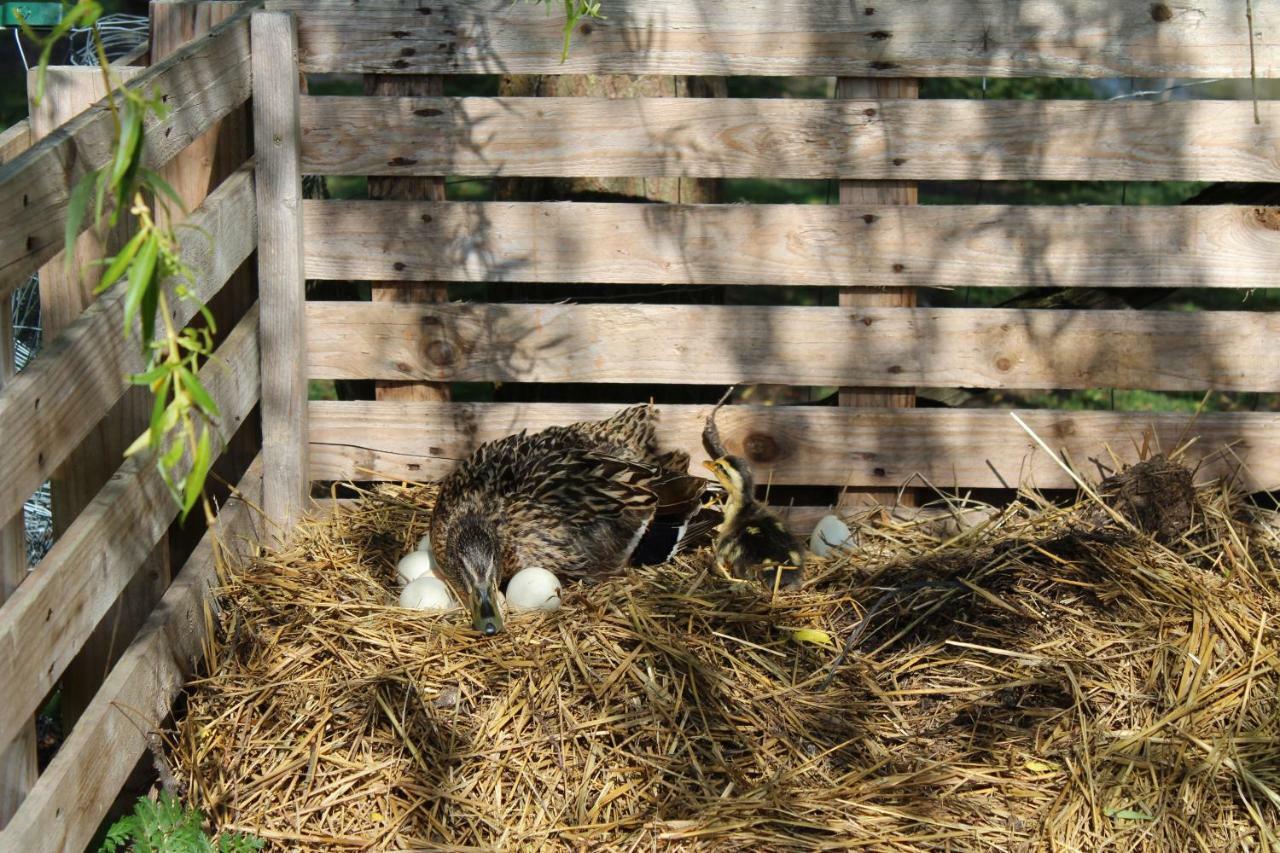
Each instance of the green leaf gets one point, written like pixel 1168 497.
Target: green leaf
pixel 140 444
pixel 101 198
pixel 128 156
pixel 194 483
pixel 127 144
pixel 120 263
pixel 153 180
pixel 172 456
pixel 149 376
pixel 198 392
pixel 142 278
pixel 156 430
pixel 77 206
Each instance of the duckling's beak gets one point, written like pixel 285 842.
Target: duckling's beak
pixel 716 469
pixel 486 615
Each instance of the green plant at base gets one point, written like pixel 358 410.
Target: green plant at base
pixel 165 826
pixel 574 11
pixel 183 413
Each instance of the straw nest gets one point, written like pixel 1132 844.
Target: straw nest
pixel 1053 678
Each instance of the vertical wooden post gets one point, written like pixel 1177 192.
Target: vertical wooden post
pixel 877 192
pixel 407 189
pixel 282 295
pixel 63 297
pixel 17 759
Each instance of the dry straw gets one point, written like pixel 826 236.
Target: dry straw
pixel 1049 680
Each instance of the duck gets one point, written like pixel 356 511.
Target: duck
pixel 579 500
pixel 751 540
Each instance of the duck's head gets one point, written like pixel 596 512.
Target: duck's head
pixel 468 563
pixel 734 474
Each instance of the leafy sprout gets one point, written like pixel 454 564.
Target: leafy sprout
pixel 165 826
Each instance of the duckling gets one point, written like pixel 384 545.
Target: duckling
pixel 751 539
pixel 578 500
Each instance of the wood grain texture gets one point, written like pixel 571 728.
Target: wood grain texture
pixel 78 376
pixel 805 445
pixel 79 786
pixel 416 189
pixel 861 244
pixel 993 38
pixel 857 194
pixel 65 291
pixel 15 140
pixel 713 345
pixel 202 83
pixel 785 138
pixel 48 619
pixel 18 765
pixel 280 270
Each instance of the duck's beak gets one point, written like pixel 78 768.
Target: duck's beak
pixel 486 615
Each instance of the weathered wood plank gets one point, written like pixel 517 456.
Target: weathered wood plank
pixel 805 445
pixel 49 617
pixel 858 193
pixel 713 345
pixel 18 767
pixel 280 268
pixel 51 406
pixel 65 291
pixel 786 138
pixel 15 140
pixel 798 245
pixel 73 795
pixel 1062 38
pixel 202 83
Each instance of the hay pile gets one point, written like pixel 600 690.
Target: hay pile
pixel 1050 679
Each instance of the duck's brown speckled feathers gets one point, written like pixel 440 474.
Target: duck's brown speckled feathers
pixel 573 499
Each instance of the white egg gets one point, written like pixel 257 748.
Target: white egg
pixel 830 535
pixel 533 588
pixel 424 544
pixel 414 565
pixel 427 593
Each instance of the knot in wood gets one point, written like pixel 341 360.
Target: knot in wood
pixel 1161 13
pixel 760 447
pixel 441 353
pixel 1004 364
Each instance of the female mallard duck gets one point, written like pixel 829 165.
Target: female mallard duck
pixel 751 541
pixel 577 500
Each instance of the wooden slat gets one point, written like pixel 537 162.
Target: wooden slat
pixel 785 138
pixel 74 793
pixel 798 245
pixel 65 291
pixel 14 141
pixel 202 83
pixel 714 345
pixel 280 267
pixel 18 766
pixel 805 445
pixel 993 38
pixel 50 616
pixel 51 406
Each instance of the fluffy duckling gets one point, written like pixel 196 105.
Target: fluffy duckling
pixel 751 541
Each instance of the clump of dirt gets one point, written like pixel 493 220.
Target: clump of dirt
pixel 1156 495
